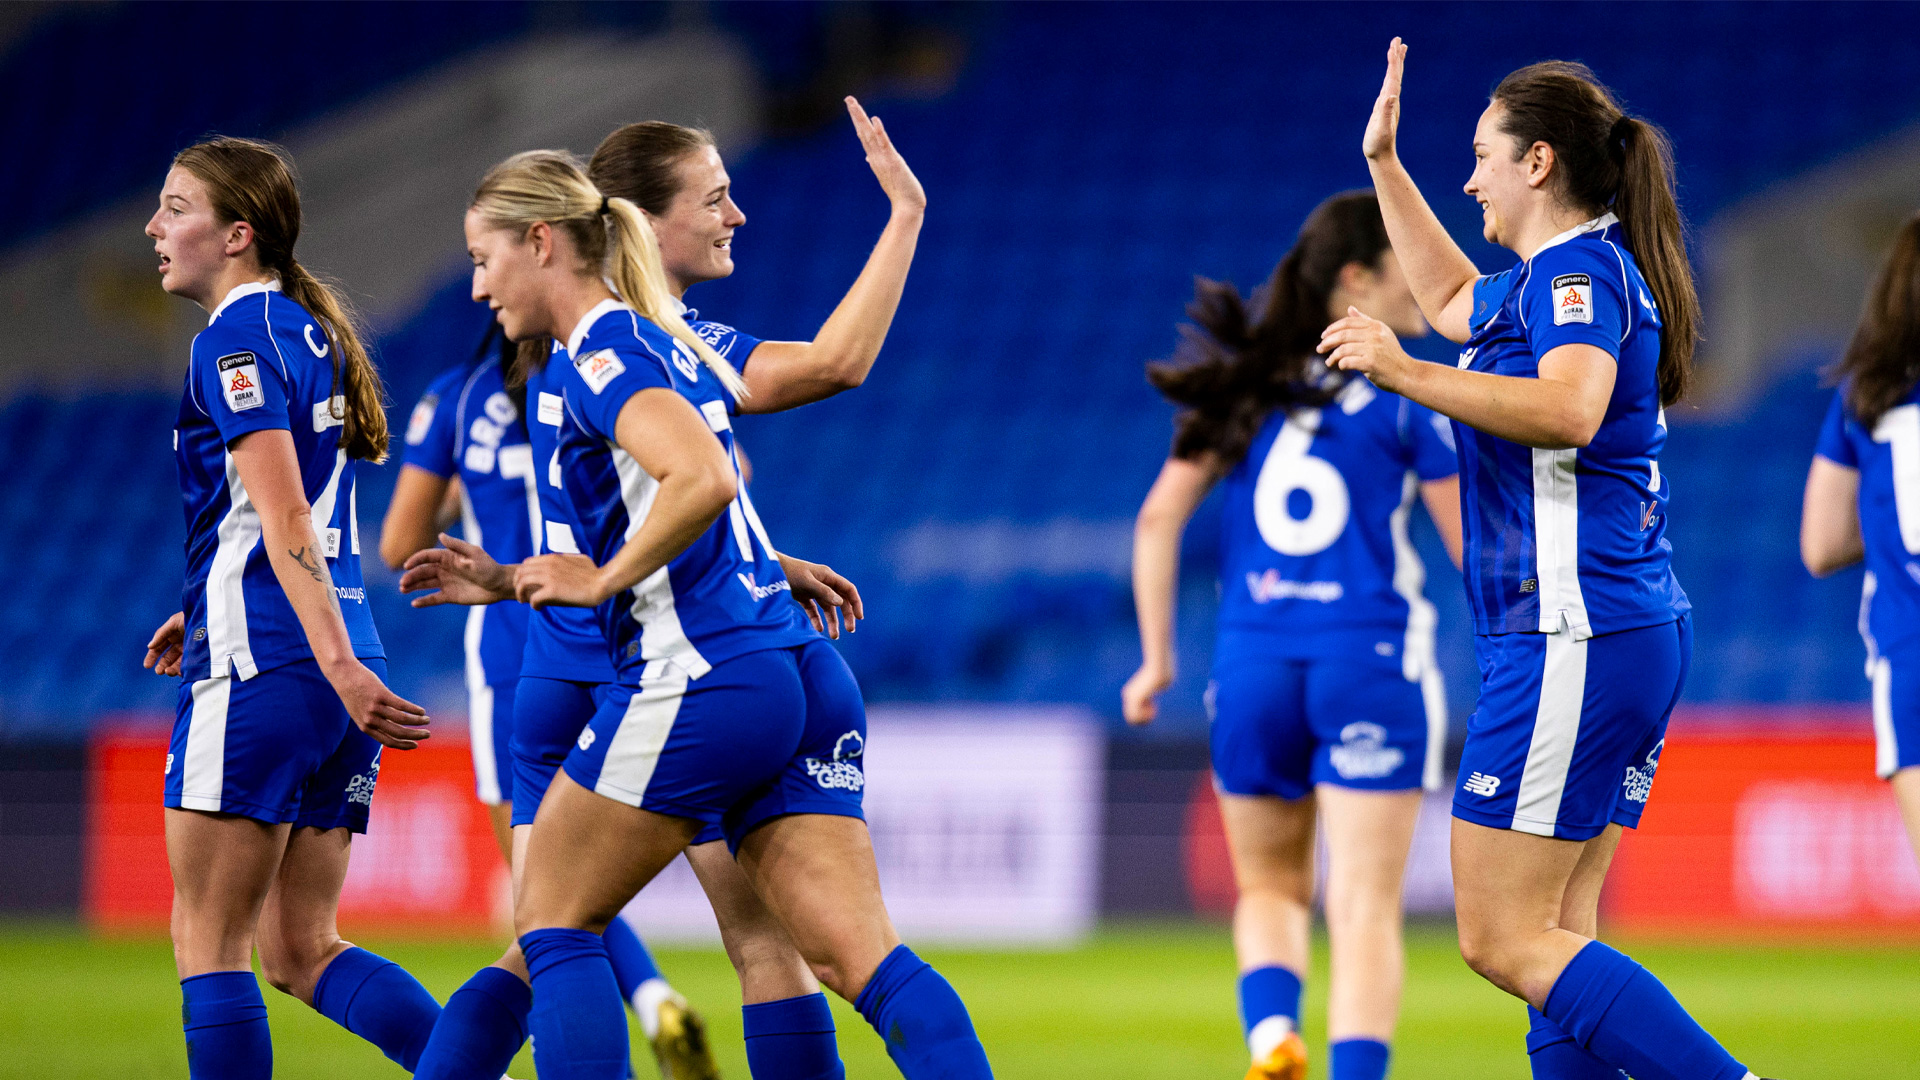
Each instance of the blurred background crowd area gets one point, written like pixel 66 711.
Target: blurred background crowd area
pixel 1083 163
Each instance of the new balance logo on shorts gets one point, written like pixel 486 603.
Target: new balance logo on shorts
pixel 586 739
pixel 1482 785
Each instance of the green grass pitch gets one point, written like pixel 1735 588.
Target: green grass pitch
pixel 1149 1001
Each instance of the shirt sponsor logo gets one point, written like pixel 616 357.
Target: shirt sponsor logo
pixel 354 593
pixel 240 381
pixel 549 409
pixel 842 771
pixel 422 419
pixel 1363 753
pixel 598 368
pixel 712 333
pixel 1572 299
pixel 333 413
pixel 761 592
pixel 1639 782
pixel 1482 785
pixel 1467 355
pixel 1270 586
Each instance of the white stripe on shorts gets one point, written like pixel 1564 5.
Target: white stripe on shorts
pixel 203 776
pixel 1433 694
pixel 1556 731
pixel 1886 747
pixel 628 766
pixel 486 767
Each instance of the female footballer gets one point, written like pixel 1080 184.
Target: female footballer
pixel 1325 699
pixel 1558 403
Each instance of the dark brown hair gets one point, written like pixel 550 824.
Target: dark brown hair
pixel 1882 362
pixel 252 181
pixel 1607 160
pixel 1231 370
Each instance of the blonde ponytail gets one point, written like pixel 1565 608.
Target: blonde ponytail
pixel 550 186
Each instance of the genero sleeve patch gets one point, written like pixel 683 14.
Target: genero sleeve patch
pixel 1572 299
pixel 422 418
pixel 240 381
pixel 598 368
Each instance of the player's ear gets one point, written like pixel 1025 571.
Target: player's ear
pixel 1540 162
pixel 540 238
pixel 239 237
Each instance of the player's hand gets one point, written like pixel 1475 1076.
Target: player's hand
pixel 898 181
pixel 828 598
pixel 462 573
pixel 1366 345
pixel 1383 127
pixel 1138 699
pixel 565 580
pixel 391 719
pixel 163 652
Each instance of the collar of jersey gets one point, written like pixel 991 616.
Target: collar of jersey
pixel 586 323
pixel 239 291
pixel 1581 229
pixel 687 313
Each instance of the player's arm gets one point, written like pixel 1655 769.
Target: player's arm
pixel 1169 505
pixel 1439 273
pixel 829 599
pixel 1830 518
pixel 270 471
pixel 786 374
pixel 669 439
pixel 423 504
pixel 1442 500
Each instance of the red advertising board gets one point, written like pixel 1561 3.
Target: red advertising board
pixel 428 855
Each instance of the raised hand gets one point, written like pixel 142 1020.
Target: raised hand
pixel 163 651
pixel 566 580
pixel 1368 346
pixel 829 599
pixel 462 573
pixel 391 719
pixel 898 181
pixel 1378 144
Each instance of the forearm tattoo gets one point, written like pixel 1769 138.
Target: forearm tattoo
pixel 310 562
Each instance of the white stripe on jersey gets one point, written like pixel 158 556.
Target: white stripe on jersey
pixel 635 750
pixel 1886 745
pixel 1556 731
pixel 486 770
pixel 1418 661
pixel 323 506
pixel 203 776
pixel 1556 543
pixel 661 635
pixel 239 531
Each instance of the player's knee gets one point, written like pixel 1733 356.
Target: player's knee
pixel 292 964
pixel 1490 954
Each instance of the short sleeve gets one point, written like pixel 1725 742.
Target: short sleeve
pixel 1430 438
pixel 1834 444
pixel 734 346
pixel 239 382
pixel 604 379
pixel 430 433
pixel 1575 295
pixel 1489 292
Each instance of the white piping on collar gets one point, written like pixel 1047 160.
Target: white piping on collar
pixel 586 323
pixel 244 289
pixel 1581 229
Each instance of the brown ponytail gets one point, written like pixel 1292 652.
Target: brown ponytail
pixel 1882 362
pixel 638 162
pixel 1232 370
pixel 252 181
pixel 1605 159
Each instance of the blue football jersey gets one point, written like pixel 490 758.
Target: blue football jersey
pixel 467 426
pixel 725 595
pixel 262 363
pixel 1315 558
pixel 1888 458
pixel 1570 539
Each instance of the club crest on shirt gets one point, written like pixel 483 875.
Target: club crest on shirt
pixel 598 368
pixel 1572 299
pixel 240 381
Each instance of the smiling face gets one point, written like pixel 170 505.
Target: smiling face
pixel 696 231
pixel 194 246
pixel 1503 186
pixel 509 275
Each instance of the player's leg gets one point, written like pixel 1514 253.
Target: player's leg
pixel 1552 1052
pixel 1263 750
pixel 1896 730
pixel 1906 789
pixel 222 866
pixel 786 1020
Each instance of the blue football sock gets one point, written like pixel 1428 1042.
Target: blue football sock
pixel 480 1030
pixel 923 1022
pixel 792 1039
pixel 579 1026
pixel 632 963
pixel 376 999
pixel 1267 993
pixel 1556 1057
pixel 226 1024
pixel 1358 1059
pixel 1625 1017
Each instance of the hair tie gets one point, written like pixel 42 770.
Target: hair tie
pixel 1618 134
pixel 603 206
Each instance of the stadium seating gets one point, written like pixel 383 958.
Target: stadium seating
pixel 980 487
